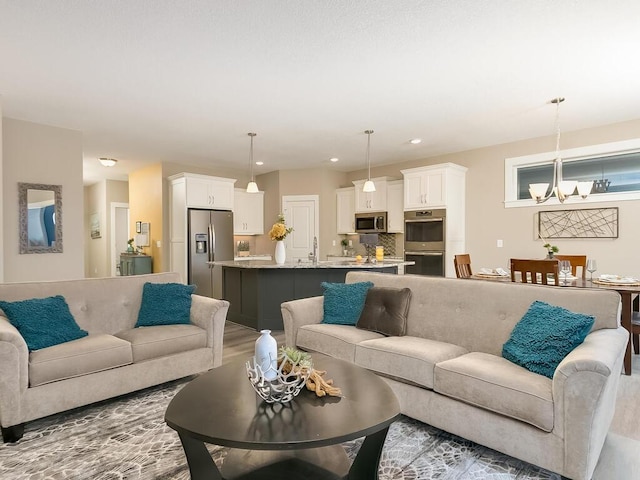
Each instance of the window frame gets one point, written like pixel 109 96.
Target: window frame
pixel 511 166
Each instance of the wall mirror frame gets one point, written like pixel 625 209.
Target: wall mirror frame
pixel 40 218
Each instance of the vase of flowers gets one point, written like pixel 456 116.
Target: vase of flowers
pixel 278 233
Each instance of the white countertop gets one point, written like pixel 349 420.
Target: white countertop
pixel 307 264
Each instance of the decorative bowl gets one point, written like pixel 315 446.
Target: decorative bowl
pixel 290 378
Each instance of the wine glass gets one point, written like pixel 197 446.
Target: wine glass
pixel 592 266
pixel 565 269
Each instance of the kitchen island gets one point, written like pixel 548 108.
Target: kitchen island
pixel 255 289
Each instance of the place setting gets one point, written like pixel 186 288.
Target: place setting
pixel 493 273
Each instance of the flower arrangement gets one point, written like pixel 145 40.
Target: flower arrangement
pixel 279 231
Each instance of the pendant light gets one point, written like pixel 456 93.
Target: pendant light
pixel 369 186
pixel 252 186
pixel 561 188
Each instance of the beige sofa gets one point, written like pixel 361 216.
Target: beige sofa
pixel 448 371
pixel 112 360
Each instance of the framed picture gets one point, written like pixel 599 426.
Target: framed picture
pixel 138 227
pixel 94 222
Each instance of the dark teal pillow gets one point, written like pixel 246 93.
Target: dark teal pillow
pixel 343 302
pixel 43 322
pixel 165 304
pixel 544 336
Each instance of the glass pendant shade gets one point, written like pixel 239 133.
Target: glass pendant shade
pixel 368 186
pixel 584 188
pixel 252 187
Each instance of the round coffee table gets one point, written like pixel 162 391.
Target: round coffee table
pixel 299 439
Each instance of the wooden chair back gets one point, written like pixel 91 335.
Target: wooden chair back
pixel 529 270
pixel 576 261
pixel 462 263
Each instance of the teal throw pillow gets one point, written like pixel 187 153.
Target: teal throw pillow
pixel 544 336
pixel 165 304
pixel 343 302
pixel 43 322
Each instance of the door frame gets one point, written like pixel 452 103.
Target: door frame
pixel 112 233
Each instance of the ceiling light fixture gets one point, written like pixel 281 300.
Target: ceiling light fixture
pixel 334 159
pixel 107 162
pixel 369 186
pixel 415 141
pixel 252 186
pixel 561 188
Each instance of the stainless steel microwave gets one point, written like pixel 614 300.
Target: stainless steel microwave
pixel 374 222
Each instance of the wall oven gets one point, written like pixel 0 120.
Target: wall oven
pixel 424 241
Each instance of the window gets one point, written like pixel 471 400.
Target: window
pixel 614 168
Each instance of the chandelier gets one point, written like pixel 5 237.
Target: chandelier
pixel 368 186
pixel 252 186
pixel 562 189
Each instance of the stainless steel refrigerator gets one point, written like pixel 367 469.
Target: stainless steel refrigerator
pixel 210 238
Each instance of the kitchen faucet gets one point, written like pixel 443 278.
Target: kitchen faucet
pixel 313 256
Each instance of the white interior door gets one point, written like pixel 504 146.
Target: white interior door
pixel 302 213
pixel 119 233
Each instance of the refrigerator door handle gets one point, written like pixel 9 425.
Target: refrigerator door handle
pixel 212 243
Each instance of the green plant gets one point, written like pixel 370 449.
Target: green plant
pixel 551 248
pixel 296 356
pixel 344 242
pixel 130 242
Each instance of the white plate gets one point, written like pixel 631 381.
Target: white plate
pixel 617 279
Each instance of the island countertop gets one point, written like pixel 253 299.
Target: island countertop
pixel 350 264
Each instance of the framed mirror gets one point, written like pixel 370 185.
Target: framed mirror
pixel 40 218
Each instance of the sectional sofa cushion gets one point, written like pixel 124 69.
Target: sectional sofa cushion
pixel 411 359
pixel 385 310
pixel 493 383
pixel 339 341
pixel 544 336
pixel 162 340
pixel 43 322
pixel 343 302
pixel 90 354
pixel 165 304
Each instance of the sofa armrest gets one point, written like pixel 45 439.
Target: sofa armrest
pixel 297 313
pixel 585 386
pixel 14 374
pixel 211 315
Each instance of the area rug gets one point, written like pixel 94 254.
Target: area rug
pixel 126 438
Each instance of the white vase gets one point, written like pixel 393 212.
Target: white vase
pixel 267 354
pixel 281 253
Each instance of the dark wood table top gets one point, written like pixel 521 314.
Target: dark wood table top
pixel 221 407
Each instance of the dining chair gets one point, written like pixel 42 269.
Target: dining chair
pixel 576 261
pixel 635 325
pixel 462 263
pixel 529 270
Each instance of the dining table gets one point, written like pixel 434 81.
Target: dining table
pixel 627 291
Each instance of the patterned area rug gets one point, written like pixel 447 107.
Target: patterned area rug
pixel 127 438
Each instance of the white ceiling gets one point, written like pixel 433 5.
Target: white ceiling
pixel 184 81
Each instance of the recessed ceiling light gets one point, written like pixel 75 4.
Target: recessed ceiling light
pixel 415 141
pixel 107 162
pixel 334 159
pixel 259 163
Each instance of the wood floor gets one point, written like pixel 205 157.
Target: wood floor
pixel 239 342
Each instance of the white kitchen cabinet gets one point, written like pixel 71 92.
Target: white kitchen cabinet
pixel 345 210
pixel 395 206
pixel 434 186
pixel 371 201
pixel 248 213
pixel 209 192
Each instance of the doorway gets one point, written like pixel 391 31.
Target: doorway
pixel 302 213
pixel 119 234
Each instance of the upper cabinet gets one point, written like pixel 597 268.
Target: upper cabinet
pixel 248 213
pixel 209 192
pixel 434 186
pixel 345 210
pixel 395 206
pixel 373 201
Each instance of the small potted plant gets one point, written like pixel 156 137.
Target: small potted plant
pixel 551 250
pixel 130 248
pixel 345 243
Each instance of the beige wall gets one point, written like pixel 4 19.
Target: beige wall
pixel 35 153
pixel 487 220
pixel 98 199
